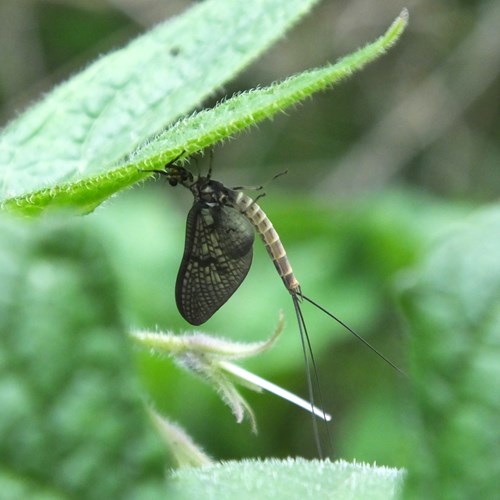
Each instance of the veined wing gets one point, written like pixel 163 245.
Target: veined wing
pixel 217 257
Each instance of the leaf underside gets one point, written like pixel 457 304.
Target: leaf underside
pixel 94 135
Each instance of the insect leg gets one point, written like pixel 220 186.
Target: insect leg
pixel 168 165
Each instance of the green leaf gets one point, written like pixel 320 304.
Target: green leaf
pixel 86 186
pixel 453 307
pixel 72 422
pixel 287 479
pixel 88 124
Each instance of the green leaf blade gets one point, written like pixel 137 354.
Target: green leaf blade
pixel 86 125
pixel 206 128
pixel 284 479
pixel 249 108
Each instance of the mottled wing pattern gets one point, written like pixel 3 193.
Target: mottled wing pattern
pixel 217 257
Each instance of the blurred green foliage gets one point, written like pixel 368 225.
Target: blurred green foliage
pixel 452 303
pixel 378 170
pixel 70 403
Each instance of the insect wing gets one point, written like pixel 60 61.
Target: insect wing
pixel 217 257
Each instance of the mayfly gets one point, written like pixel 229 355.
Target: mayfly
pixel 218 253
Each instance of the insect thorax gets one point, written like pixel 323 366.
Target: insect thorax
pixel 212 193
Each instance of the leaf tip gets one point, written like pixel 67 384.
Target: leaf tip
pixel 404 15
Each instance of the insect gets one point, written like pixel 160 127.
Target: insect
pixel 218 254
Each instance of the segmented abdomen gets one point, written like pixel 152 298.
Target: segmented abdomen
pixel 264 227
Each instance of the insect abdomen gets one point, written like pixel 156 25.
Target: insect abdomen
pixel 271 239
